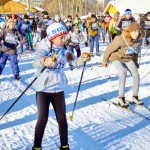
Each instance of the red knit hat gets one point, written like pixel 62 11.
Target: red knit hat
pixel 133 27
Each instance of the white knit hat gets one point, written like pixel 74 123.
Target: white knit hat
pixel 3 24
pixel 55 30
pixel 57 17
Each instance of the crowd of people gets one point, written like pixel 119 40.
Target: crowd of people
pixel 57 39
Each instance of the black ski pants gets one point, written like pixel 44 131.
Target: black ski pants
pixel 43 101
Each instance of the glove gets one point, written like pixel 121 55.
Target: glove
pixel 67 43
pixel 105 64
pixel 49 62
pixel 86 57
pixel 86 44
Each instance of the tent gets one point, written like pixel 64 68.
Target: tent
pixel 16 6
pixel 136 6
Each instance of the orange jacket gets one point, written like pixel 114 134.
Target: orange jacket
pixel 107 21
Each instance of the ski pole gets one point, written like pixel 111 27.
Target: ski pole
pixel 145 76
pixel 27 87
pixel 23 93
pixel 71 117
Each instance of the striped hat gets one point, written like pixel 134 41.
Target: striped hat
pixel 55 30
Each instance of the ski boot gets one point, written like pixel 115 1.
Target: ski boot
pixel 97 54
pixel 91 54
pixel 122 102
pixel 136 100
pixel 64 147
pixel 17 78
pixel 36 148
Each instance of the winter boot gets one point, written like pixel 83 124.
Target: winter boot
pixel 97 54
pixel 36 148
pixel 17 78
pixel 91 54
pixel 122 102
pixel 64 147
pixel 136 100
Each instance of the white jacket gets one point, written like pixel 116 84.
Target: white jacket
pixel 52 80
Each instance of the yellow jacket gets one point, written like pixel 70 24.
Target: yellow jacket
pixel 93 27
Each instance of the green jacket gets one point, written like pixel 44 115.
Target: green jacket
pixel 112 26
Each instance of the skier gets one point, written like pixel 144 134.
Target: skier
pixel 145 28
pixel 74 37
pixel 101 19
pixel 107 22
pixel 10 37
pixel 50 85
pixel 124 21
pixel 93 25
pixel 85 23
pixel 2 25
pixel 43 24
pixel 23 27
pixel 80 25
pixel 37 30
pixel 7 18
pixel 76 20
pixel 112 25
pixel 69 23
pixel 123 52
pixel 13 16
pixel 33 27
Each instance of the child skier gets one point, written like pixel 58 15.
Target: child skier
pixel 112 25
pixel 93 25
pixel 43 24
pixel 23 27
pixel 145 28
pixel 74 38
pixel 69 23
pixel 10 37
pixel 50 85
pixel 124 21
pixel 107 22
pixel 33 27
pixel 123 52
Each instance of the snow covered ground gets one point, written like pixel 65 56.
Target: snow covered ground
pixel 96 125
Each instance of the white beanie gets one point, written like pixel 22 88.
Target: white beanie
pixel 2 24
pixel 89 14
pixel 57 17
pixel 55 30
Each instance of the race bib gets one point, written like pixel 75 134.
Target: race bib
pixel 125 24
pixel 45 22
pixel 24 26
pixel 60 60
pixel 31 22
pixel 12 39
pixel 69 23
pixel 131 51
pixel 94 26
pixel 147 22
pixel 107 19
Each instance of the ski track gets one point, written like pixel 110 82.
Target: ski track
pixel 96 125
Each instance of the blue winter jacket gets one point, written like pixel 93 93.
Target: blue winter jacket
pixel 24 27
pixel 2 20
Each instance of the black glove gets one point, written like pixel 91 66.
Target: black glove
pixel 67 43
pixel 86 44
